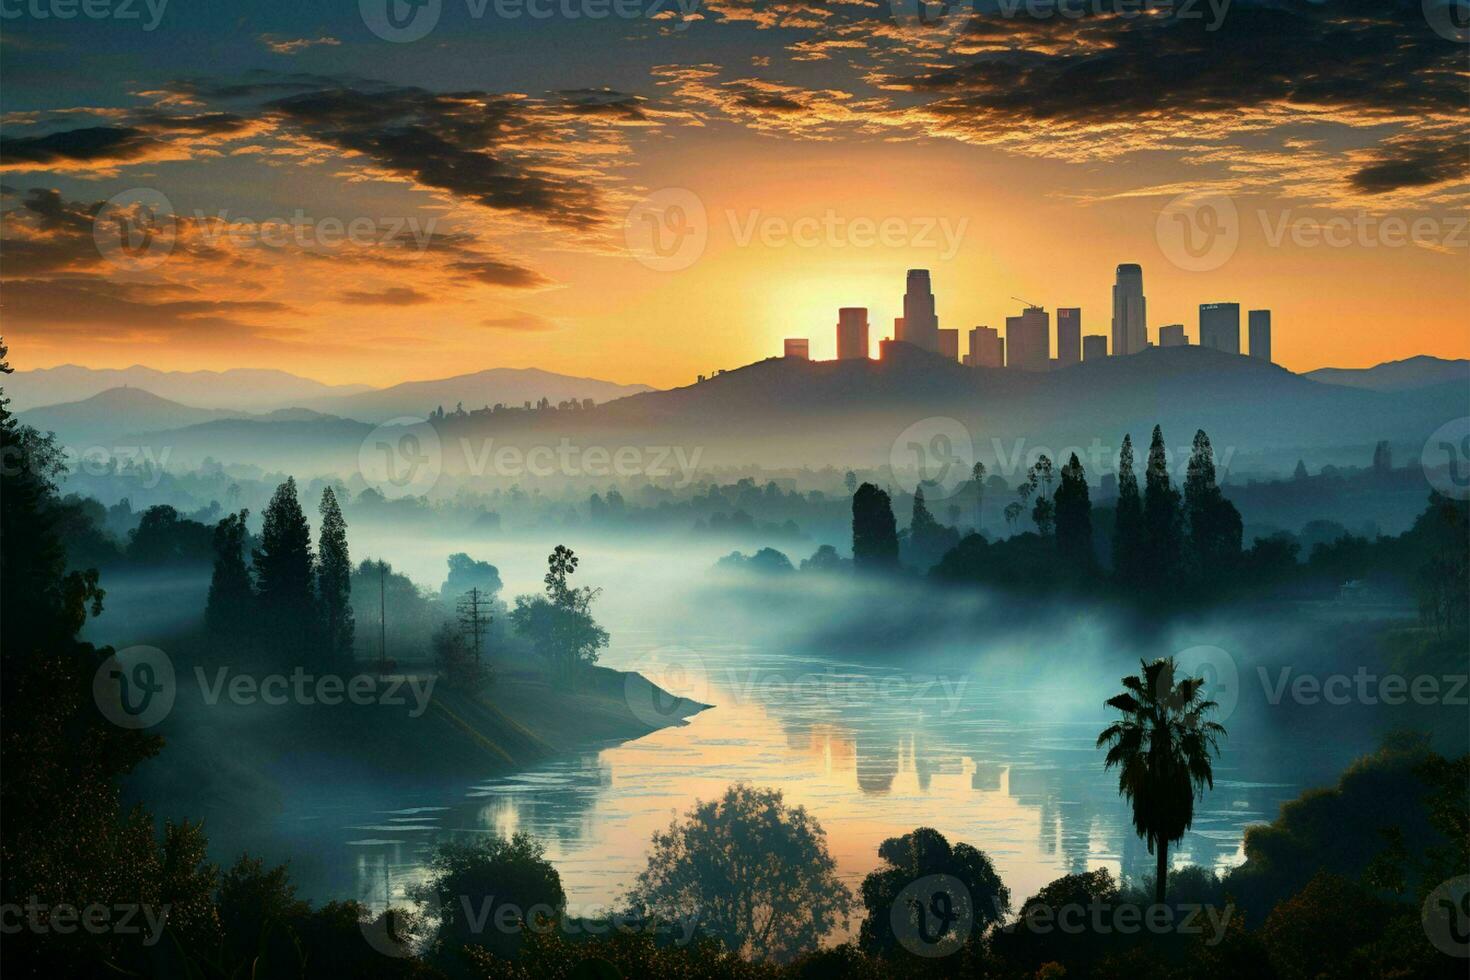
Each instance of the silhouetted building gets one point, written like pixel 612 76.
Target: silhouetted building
pixel 1219 326
pixel 1094 347
pixel 1173 336
pixel 1029 338
pixel 949 344
pixel 798 347
pixel 1130 311
pixel 986 348
pixel 1069 335
pixel 852 333
pixel 886 348
pixel 1259 326
pixel 919 325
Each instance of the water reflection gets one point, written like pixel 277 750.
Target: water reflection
pixel 991 766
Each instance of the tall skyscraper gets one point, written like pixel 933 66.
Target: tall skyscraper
pixel 1130 311
pixel 920 324
pixel 852 333
pixel 798 347
pixel 1219 326
pixel 1069 335
pixel 1259 326
pixel 1029 338
pixel 1094 347
pixel 986 348
pixel 1172 335
pixel 949 344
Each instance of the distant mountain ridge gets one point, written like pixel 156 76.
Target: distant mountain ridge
pixel 1420 371
pixel 121 412
pixel 238 389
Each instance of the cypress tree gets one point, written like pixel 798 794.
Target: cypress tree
pixel 874 531
pixel 1214 524
pixel 283 568
pixel 1074 516
pixel 334 579
pixel 1128 524
pixel 1162 519
pixel 229 610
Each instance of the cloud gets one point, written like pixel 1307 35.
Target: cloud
pixel 494 272
pixel 392 296
pixel 289 45
pixel 520 322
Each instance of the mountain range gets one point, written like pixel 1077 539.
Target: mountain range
pixel 1412 372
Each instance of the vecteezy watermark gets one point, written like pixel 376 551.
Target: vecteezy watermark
pixel 135 688
pixel 1363 687
pixel 1446 917
pixel 303 688
pixel 145 464
pixel 932 20
pixel 1213 11
pixel 407 457
pixel 148 13
pixel 1217 669
pixel 938 450
pixel 402 21
pixel 314 233
pixel 1126 918
pixel 63 919
pixel 933 916
pixel 136 229
pixel 662 683
pixel 1450 19
pixel 1445 459
pixel 668 230
pixel 1200 232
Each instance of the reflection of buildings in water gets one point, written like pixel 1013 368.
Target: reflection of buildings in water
pixel 832 747
pixel 554 803
pixel 986 777
pixel 877 762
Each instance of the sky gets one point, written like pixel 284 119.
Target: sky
pixel 380 191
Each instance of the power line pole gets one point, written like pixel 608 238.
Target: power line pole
pixel 474 618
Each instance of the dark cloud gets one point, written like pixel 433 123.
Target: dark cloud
pixel 493 272
pixel 88 144
pixel 77 305
pixel 1419 163
pixel 392 296
pixel 519 322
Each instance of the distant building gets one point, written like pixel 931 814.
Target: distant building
pixel 1259 326
pixel 949 344
pixel 1173 336
pixel 798 347
pixel 1094 347
pixel 1130 331
pixel 986 348
pixel 920 324
pixel 1219 326
pixel 1029 338
pixel 1069 335
pixel 852 333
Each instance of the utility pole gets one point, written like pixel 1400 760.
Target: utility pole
pixel 474 618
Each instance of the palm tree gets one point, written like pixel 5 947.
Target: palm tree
pixel 1162 750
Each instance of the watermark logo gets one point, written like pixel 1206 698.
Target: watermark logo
pixel 400 21
pixel 119 10
pixel 135 688
pixel 401 457
pixel 668 230
pixel 1445 459
pixel 1450 19
pixel 1446 917
pixel 660 684
pixel 931 19
pixel 1221 676
pixel 939 450
pixel 135 230
pixel 932 917
pixel 1198 232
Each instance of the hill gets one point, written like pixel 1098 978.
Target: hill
pixel 509 386
pixel 110 415
pixel 1422 371
pixel 238 389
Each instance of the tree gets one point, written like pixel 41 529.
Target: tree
pixel 229 610
pixel 977 475
pixel 1162 519
pixel 334 580
pixel 1300 473
pixel 1043 512
pixel 489 892
pixel 758 871
pixel 1382 458
pixel 1215 527
pixel 874 531
pixel 283 567
pixel 850 481
pixel 1128 554
pixel 928 539
pixel 456 662
pixel 1161 749
pixel 1074 517
pixel 466 573
pixel 560 625
pixel 916 855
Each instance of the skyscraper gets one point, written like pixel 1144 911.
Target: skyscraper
pixel 949 344
pixel 1130 311
pixel 1219 326
pixel 986 348
pixel 1029 338
pixel 1172 335
pixel 1259 326
pixel 798 347
pixel 920 324
pixel 1094 347
pixel 852 333
pixel 1069 335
